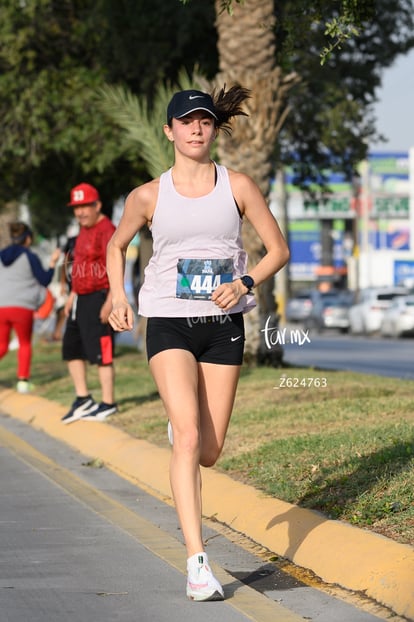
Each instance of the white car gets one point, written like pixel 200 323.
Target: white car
pixel 365 316
pixel 299 306
pixel 398 319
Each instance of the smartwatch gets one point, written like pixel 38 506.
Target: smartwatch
pixel 247 282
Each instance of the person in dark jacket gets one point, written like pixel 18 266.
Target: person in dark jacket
pixel 22 284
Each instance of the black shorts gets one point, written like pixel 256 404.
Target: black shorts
pixel 215 339
pixel 85 336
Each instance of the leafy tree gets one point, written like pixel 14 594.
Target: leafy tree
pixel 331 115
pixel 55 56
pixel 146 43
pixel 51 134
pixel 344 26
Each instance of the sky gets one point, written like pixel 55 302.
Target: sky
pixel 395 108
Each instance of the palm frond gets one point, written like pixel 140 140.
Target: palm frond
pixel 143 126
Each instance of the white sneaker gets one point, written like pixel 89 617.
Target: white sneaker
pixel 24 386
pixel 202 585
pixel 170 433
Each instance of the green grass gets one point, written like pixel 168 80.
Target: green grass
pixel 345 449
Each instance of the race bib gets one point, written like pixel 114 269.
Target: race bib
pixel 198 278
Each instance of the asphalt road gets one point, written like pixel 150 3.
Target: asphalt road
pixel 369 355
pixel 79 543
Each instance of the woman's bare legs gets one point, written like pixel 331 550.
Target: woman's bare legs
pixel 198 398
pixel 176 375
pixel 216 389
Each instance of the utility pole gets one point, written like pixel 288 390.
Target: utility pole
pixel 282 278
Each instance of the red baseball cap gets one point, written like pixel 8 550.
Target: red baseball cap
pixel 83 194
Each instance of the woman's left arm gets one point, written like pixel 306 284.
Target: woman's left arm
pixel 253 206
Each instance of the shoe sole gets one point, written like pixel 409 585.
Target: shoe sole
pixel 92 417
pixel 79 415
pixel 73 418
pixel 200 598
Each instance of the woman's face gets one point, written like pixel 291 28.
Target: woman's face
pixel 193 134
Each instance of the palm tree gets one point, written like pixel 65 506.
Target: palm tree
pixel 246 46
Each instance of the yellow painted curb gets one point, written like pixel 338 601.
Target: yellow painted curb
pixel 338 553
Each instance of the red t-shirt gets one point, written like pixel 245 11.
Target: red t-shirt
pixel 89 264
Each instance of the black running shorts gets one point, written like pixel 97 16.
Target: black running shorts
pixel 85 336
pixel 215 339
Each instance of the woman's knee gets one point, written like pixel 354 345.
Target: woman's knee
pixel 187 440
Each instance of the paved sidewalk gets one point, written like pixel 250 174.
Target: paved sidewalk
pixel 336 552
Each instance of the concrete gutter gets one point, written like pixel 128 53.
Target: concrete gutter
pixel 338 553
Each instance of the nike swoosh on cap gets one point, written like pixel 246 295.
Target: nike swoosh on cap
pixel 195 96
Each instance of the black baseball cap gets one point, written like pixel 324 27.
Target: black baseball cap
pixel 184 102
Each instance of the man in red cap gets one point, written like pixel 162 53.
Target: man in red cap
pixel 88 336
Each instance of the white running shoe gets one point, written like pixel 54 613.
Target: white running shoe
pixel 202 585
pixel 24 386
pixel 170 433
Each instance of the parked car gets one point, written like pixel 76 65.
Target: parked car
pixel 365 316
pixel 330 310
pixel 299 306
pixel 398 319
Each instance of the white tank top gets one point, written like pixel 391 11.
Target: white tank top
pixel 196 246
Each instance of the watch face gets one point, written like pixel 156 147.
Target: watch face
pixel 247 281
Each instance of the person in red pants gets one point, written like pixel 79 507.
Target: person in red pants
pixel 22 283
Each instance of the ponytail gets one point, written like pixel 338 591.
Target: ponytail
pixel 227 105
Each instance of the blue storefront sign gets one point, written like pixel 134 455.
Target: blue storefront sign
pixel 404 272
pixel 305 249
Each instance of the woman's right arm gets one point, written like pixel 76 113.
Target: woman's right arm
pixel 138 211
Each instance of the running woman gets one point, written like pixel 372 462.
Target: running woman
pixel 195 292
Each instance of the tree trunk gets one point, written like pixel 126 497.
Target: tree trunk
pixel 246 45
pixel 8 214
